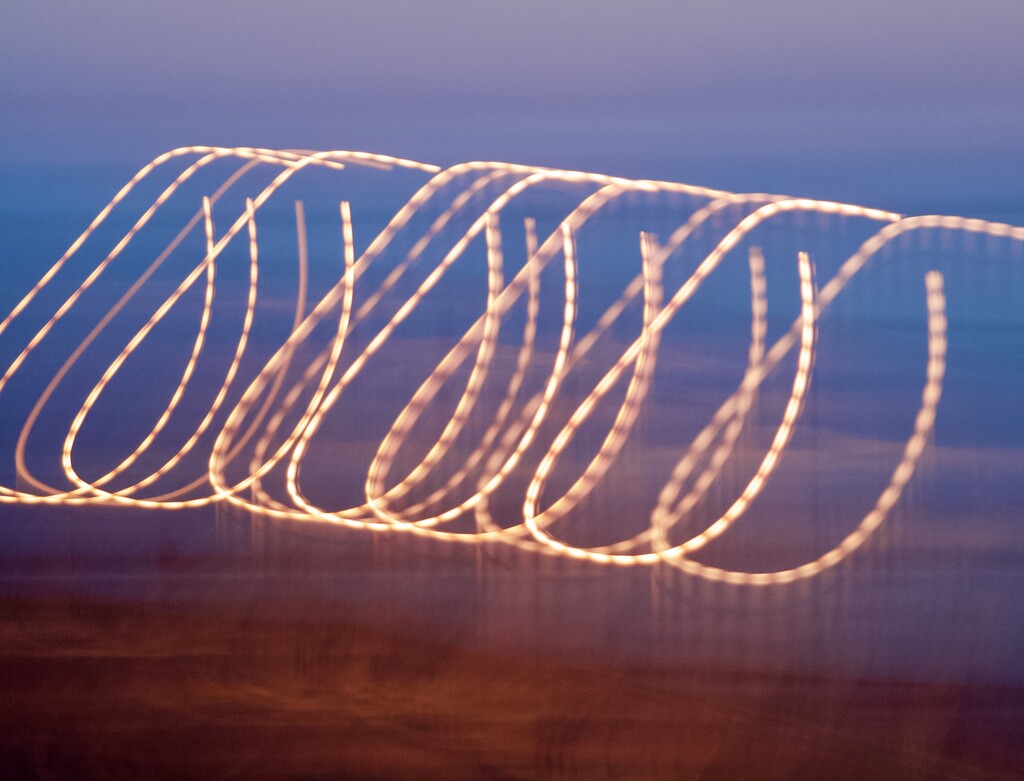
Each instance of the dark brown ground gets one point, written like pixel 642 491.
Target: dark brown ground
pixel 130 691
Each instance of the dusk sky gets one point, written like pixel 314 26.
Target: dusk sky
pixel 912 99
pixel 343 466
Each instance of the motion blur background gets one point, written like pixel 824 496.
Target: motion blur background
pixel 905 663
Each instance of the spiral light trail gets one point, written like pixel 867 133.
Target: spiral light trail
pixel 257 432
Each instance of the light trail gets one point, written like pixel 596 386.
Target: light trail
pixel 271 422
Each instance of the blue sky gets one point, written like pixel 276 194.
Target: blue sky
pixel 908 100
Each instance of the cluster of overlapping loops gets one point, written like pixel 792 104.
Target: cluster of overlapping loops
pixel 293 365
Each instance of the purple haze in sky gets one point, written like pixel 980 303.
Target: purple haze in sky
pixel 914 105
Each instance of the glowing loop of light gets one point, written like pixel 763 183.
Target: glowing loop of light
pixel 258 417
